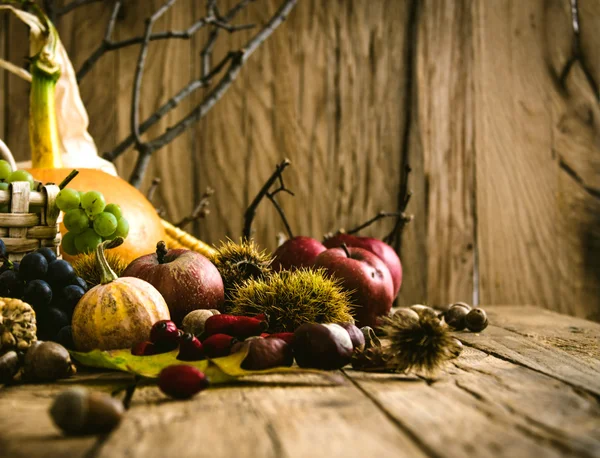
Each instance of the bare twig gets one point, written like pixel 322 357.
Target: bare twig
pixel 395 236
pixel 201 209
pixel 152 189
pixel 236 59
pixel 577 54
pixel 265 191
pixel 377 217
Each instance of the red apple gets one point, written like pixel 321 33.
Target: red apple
pixel 385 252
pixel 367 276
pixel 186 279
pixel 297 252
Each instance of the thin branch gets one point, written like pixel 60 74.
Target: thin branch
pixel 152 189
pixel 250 212
pixel 167 107
pixel 109 45
pixel 377 217
pixel 232 72
pixel 201 209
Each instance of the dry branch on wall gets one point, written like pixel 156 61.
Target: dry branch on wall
pixel 265 191
pixel 226 70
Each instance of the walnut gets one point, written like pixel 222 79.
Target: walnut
pixel 17 325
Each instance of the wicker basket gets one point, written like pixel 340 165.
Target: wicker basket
pixel 32 221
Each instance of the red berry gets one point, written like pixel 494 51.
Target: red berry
pixel 144 349
pixel 238 326
pixel 218 345
pixel 182 382
pixel 287 337
pixel 165 335
pixel 190 348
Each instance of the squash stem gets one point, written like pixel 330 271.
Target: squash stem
pixel 107 274
pixel 43 129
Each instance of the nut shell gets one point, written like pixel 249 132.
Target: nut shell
pixel 17 325
pixel 455 317
pixel 47 361
pixel 78 411
pixel 9 365
pixel 476 320
pixel 322 346
pixel 267 353
pixel 194 321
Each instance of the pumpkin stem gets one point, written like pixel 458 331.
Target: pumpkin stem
pixel 45 71
pixel 161 251
pixel 108 275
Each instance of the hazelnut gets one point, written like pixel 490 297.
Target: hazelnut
pixel 194 321
pixel 409 313
pixel 455 317
pixel 476 320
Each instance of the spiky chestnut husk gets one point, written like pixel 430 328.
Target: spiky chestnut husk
pixel 292 298
pixel 86 266
pixel 421 346
pixel 238 262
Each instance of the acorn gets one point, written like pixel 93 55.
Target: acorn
pixel 455 317
pixel 356 336
pixel 46 361
pixel 265 353
pixel 78 411
pixel 9 366
pixel 181 381
pixel 322 346
pixel 476 320
pixel 194 321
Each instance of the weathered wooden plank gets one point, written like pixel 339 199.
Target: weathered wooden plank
pixel 516 177
pixel 444 80
pixel 559 355
pixel 245 421
pixel 484 406
pixel 26 429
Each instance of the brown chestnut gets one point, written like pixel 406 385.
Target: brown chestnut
pixel 322 346
pixel 356 336
pixel 424 310
pixel 267 353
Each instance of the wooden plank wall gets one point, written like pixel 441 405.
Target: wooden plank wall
pixel 505 154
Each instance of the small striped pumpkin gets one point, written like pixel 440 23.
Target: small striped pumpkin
pixel 119 312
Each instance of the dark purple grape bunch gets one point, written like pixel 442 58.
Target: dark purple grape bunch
pixel 50 286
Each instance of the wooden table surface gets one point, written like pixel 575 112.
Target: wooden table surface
pixel 527 386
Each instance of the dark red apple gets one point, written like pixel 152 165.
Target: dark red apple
pixel 186 279
pixel 367 276
pixel 385 252
pixel 297 252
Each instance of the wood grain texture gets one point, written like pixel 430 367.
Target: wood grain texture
pixel 3 55
pixel 483 406
pixel 484 403
pixel 444 80
pixel 505 155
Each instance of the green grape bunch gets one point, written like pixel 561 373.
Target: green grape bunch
pixel 89 220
